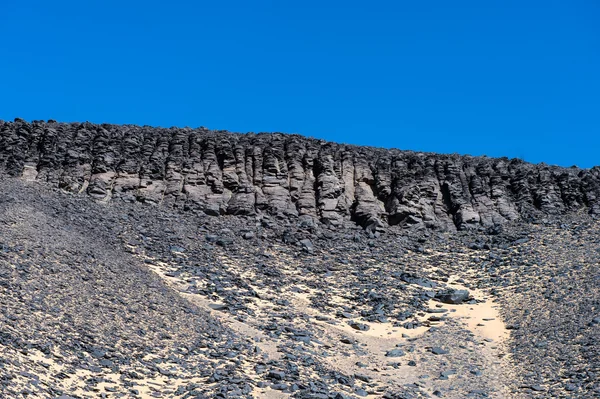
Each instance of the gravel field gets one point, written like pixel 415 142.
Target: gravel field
pixel 121 300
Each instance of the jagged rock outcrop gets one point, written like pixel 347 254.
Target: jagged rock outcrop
pixel 219 172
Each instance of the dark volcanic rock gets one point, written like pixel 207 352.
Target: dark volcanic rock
pixel 95 285
pixel 395 353
pixel 218 172
pixel 453 297
pixel 438 351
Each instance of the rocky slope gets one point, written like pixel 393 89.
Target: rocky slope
pixel 284 295
pixel 218 172
pixel 118 300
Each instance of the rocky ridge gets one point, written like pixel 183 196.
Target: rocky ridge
pixel 218 172
pixel 284 295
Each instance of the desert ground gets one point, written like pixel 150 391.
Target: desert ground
pixel 113 300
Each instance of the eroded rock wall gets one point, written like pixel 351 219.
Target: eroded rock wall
pixel 219 172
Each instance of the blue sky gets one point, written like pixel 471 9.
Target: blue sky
pixel 500 78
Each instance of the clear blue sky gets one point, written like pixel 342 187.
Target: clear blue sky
pixel 514 78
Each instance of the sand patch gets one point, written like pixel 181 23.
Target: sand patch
pixel 483 318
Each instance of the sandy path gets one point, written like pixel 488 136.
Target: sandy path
pixel 354 352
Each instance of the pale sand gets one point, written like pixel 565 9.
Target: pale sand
pixel 373 343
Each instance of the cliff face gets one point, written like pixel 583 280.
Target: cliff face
pixel 219 172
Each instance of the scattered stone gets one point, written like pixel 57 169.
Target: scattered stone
pixel 224 241
pixel 359 326
pixel 276 375
pixel 448 373
pixel 453 296
pixel 438 351
pixel 248 235
pixel 307 245
pixel 395 353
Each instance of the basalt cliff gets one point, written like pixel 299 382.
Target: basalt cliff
pixel 218 172
pixel 226 285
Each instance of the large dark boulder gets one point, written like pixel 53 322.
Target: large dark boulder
pixel 452 296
